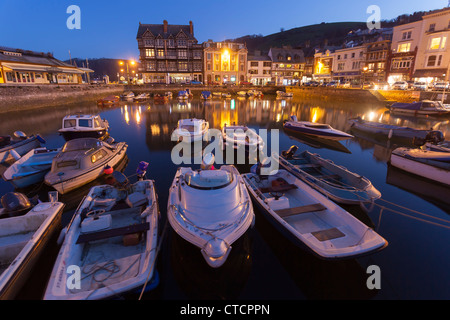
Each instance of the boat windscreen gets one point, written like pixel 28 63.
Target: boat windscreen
pixel 209 179
pixel 318 126
pixel 81 144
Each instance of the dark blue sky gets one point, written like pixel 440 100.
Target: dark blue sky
pixel 108 28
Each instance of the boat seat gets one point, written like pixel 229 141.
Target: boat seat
pixel 308 165
pixel 284 213
pixel 105 234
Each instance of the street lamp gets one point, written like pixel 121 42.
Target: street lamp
pixel 127 63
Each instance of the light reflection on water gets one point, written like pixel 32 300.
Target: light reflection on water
pixel 147 128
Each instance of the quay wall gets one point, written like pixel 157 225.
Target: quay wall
pixel 381 97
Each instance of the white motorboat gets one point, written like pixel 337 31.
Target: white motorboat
pixel 113 240
pixel 241 93
pixel 424 107
pixel 142 97
pixel 210 209
pixel 254 93
pixel 12 149
pixel 310 219
pixel 241 136
pixel 84 126
pixel 433 165
pixel 25 231
pixel 330 179
pixel 127 95
pixel 191 130
pixel 31 168
pixel 226 95
pixel 82 161
pixel 282 94
pixel 313 129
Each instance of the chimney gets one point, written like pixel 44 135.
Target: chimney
pixel 191 28
pixel 165 26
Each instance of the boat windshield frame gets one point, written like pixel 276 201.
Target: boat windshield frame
pixel 81 144
pixel 196 186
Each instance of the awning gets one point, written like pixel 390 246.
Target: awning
pixel 70 70
pixel 429 73
pixel 86 69
pixel 24 67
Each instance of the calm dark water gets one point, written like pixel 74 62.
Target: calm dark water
pixel 264 265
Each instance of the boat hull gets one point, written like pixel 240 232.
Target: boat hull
pixel 333 135
pixel 66 185
pixel 419 168
pixel 16 278
pixel 20 147
pixel 97 134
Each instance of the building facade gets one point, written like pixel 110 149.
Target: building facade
pixel 27 67
pixel 224 62
pixel 433 54
pixel 402 56
pixel 323 64
pixel 349 64
pixel 259 69
pixel 288 65
pixel 169 53
pixel 377 53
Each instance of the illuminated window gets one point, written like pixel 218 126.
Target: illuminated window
pixel 150 53
pixel 404 47
pixel 438 43
pixel 161 53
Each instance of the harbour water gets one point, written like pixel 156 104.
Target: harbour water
pixel 264 265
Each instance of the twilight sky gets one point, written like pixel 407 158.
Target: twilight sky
pixel 108 28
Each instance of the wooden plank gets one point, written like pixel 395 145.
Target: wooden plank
pixel 308 165
pixel 283 213
pixel 105 234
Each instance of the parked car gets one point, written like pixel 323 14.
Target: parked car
pixel 420 86
pixel 400 85
pixel 346 85
pixel 332 84
pixel 381 86
pixel 441 86
pixel 368 85
pixel 245 83
pixel 410 84
pixel 196 82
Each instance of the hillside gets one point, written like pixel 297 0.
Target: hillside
pixel 313 35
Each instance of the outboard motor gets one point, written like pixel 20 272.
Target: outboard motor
pixel 4 141
pixel 15 204
pixel 142 169
pixel 256 169
pixel 435 137
pixel 289 154
pixel 293 118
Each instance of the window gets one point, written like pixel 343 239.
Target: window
pixel 70 123
pixel 150 53
pixel 267 64
pixel 208 56
pixel 85 123
pixel 353 55
pixel 151 66
pixel 439 60
pixel 161 66
pixel 171 42
pixel 182 54
pixel 208 67
pixel 254 63
pixel 341 66
pixel 98 156
pixel 339 57
pixel 404 47
pixel 181 42
pixel 406 35
pixel 149 42
pixel 437 43
pixel 432 27
pixel 431 61
pixel 182 66
pixel 159 42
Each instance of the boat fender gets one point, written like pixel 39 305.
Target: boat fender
pixel 61 236
pixel 391 132
pixel 108 170
pixel 14 154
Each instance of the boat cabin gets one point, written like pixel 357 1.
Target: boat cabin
pixel 208 179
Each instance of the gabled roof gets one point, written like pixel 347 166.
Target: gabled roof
pixel 282 54
pixel 158 29
pixel 27 56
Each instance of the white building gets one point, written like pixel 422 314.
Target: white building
pixel 349 64
pixel 259 69
pixel 433 54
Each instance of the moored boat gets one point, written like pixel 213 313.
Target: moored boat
pixel 84 126
pixel 31 168
pixel 127 95
pixel 433 165
pixel 191 130
pixel 330 179
pixel 108 101
pixel 283 94
pixel 161 98
pixel 82 161
pixel 13 149
pixel 391 131
pixel 211 209
pixel 25 230
pixel 241 136
pixel 309 219
pixel 142 97
pixel 113 240
pixel 206 95
pixel 315 129
pixel 424 107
